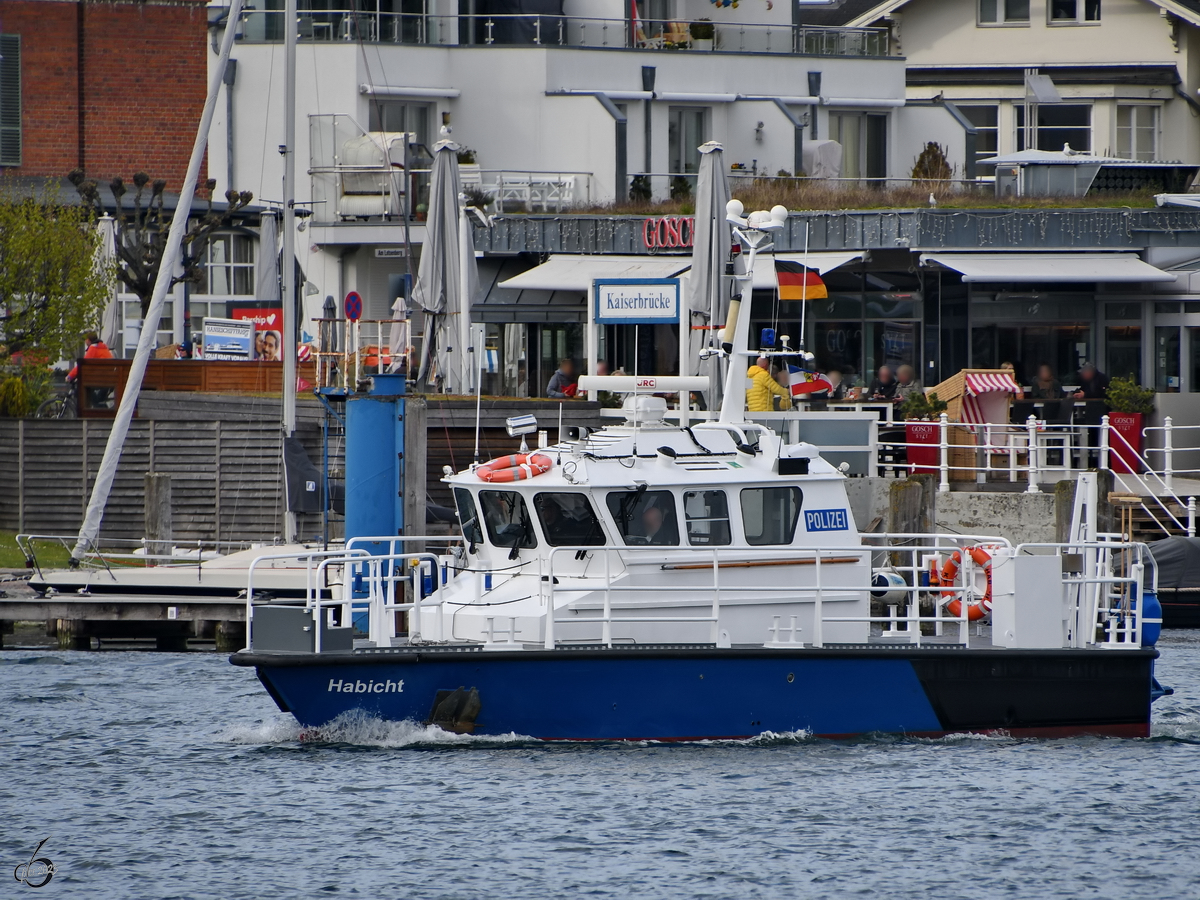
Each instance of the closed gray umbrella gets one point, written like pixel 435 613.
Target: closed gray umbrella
pixel 447 278
pixel 703 301
pixel 266 282
pixel 106 255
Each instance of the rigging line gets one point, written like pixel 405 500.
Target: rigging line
pixel 262 163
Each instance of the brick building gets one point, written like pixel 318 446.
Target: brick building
pixel 111 86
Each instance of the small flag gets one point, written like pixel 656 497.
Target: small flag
pixel 802 382
pixel 798 283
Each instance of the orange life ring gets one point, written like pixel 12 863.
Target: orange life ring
pixel 516 467
pixel 949 574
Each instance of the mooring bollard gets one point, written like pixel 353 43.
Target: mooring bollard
pixel 943 454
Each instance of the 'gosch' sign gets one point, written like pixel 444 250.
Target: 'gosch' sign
pixel 668 232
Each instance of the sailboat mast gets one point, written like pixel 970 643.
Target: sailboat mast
pixel 89 531
pixel 288 256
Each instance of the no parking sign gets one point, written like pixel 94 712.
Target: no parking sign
pixel 354 306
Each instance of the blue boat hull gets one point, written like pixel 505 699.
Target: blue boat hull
pixel 685 694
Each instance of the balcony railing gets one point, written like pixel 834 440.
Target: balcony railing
pixel 383 176
pixel 333 25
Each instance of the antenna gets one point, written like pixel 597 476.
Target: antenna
pixel 478 401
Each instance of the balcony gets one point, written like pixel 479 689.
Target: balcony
pixel 331 25
pixel 374 176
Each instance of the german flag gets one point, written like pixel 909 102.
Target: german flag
pixel 799 283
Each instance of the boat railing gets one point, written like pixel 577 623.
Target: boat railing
pixel 1100 598
pixel 130 551
pixel 367 583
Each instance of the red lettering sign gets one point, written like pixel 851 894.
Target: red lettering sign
pixel 668 232
pixel 650 383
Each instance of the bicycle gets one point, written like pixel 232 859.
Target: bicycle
pixel 63 405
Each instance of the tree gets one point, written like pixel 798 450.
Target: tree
pixel 141 232
pixel 51 290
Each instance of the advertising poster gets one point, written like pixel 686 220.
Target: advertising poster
pixel 268 330
pixel 228 339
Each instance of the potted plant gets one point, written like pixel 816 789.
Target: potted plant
pixel 703 31
pixel 1130 404
pixel 921 432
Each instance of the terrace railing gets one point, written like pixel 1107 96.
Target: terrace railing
pixel 332 25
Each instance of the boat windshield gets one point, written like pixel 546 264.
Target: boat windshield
pixel 507 519
pixel 468 518
pixel 769 515
pixel 568 520
pixel 645 517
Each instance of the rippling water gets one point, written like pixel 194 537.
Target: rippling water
pixel 172 775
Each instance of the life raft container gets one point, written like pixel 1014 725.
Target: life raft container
pixel 949 575
pixel 516 467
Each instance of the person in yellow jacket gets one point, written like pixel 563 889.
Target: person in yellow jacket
pixel 759 396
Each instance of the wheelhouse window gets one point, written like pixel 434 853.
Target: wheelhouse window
pixel 507 518
pixel 1137 132
pixel 706 515
pixel 769 515
pixel 1074 12
pixel 468 518
pixel 645 517
pixel 1003 12
pixel 568 520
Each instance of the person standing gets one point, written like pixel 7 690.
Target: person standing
pixel 562 384
pixel 763 389
pixel 94 348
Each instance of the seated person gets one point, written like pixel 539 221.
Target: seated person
pixel 906 383
pixel 1046 386
pixel 655 527
pixel 883 387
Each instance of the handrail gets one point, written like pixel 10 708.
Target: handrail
pixel 330 25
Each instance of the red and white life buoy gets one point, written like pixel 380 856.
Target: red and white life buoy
pixel 516 467
pixel 949 574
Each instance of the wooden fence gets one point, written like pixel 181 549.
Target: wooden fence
pixel 225 477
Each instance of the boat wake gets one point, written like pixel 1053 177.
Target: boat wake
pixel 357 729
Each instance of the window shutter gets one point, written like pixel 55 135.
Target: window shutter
pixel 10 99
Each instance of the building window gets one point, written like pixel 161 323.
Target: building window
pixel 864 143
pixel 1166 359
pixel 10 100
pixel 1137 132
pixel 1057 124
pixel 401 116
pixel 986 120
pixel 687 131
pixel 1003 12
pixel 229 265
pixel 1073 12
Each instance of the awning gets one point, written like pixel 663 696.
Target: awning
pixel 501 305
pixel 1048 268
pixel 981 383
pixel 764 268
pixel 571 272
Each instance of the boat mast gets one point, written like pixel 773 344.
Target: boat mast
pixel 753 231
pixel 89 531
pixel 288 255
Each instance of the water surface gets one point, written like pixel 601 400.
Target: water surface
pixel 173 775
